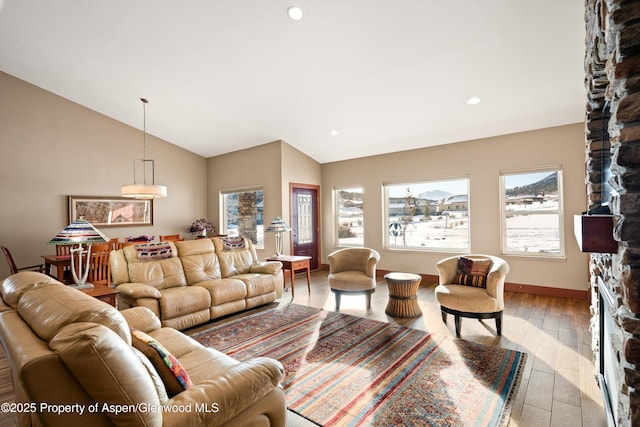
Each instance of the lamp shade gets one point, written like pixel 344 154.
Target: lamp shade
pixel 144 191
pixel 79 231
pixel 277 226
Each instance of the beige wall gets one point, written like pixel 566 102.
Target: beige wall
pixel 42 136
pixel 482 161
pixel 272 166
pixel 51 148
pixel 297 168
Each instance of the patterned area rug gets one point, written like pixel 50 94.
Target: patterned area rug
pixel 351 371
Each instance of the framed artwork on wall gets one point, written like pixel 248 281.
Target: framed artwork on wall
pixel 111 211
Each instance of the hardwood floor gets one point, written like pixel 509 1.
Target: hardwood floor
pixel 558 387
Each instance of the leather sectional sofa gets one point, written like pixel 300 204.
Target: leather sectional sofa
pixel 77 361
pixel 190 282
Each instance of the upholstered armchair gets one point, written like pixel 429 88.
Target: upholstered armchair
pixel 353 270
pixel 472 286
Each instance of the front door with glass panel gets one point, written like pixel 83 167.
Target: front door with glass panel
pixel 304 222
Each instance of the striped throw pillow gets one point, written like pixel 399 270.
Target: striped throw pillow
pixel 473 272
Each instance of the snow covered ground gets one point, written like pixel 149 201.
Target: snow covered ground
pixel 526 233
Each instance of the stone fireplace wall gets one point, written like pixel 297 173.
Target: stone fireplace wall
pixel 612 67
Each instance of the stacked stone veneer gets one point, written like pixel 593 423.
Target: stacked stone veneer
pixel 247 215
pixel 612 65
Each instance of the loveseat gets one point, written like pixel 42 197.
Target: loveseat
pixel 190 282
pixel 77 361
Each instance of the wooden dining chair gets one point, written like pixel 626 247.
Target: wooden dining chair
pixel 114 244
pixel 63 250
pixel 12 265
pixel 99 265
pixel 100 270
pixel 171 238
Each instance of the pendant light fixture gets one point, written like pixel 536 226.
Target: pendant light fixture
pixel 144 190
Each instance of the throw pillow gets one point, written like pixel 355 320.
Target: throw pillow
pixel 233 243
pixel 473 272
pixel 153 251
pixel 173 375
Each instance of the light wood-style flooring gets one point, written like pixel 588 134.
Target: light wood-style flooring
pixel 558 387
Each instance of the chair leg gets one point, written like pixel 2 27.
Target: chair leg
pixel 444 316
pixel 458 325
pixel 368 300
pixel 337 301
pixel 499 324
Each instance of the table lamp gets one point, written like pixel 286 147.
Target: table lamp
pixel 278 226
pixel 80 232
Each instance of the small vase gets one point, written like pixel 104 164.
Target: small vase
pixel 203 233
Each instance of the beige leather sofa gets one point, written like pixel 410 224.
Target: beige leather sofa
pixel 200 280
pixel 73 364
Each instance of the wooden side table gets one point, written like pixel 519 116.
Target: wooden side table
pixel 293 264
pixel 103 293
pixel 403 295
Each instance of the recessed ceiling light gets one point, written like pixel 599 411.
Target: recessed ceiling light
pixel 334 133
pixel 295 13
pixel 473 100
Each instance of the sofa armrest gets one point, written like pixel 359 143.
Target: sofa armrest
pixel 266 267
pixel 141 318
pixel 227 394
pixel 138 290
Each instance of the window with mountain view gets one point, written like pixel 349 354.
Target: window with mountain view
pixel 532 213
pixel 428 215
pixel 350 221
pixel 242 214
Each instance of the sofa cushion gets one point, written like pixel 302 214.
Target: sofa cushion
pixel 224 290
pixel 109 371
pixel 161 389
pixel 176 302
pixel 14 286
pixel 472 271
pixel 175 341
pixel 237 261
pixel 161 274
pixel 47 309
pixel 173 375
pixel 198 260
pixel 257 284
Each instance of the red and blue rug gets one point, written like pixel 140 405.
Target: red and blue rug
pixel 350 371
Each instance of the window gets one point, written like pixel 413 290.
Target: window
pixel 532 213
pixel 242 214
pixel 350 221
pixel 429 215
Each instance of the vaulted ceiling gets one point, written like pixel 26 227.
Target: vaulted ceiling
pixel 386 75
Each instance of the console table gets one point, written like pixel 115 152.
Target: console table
pixel 293 264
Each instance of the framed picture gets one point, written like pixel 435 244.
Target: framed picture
pixel 111 211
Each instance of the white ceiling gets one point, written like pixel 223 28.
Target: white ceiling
pixel 388 75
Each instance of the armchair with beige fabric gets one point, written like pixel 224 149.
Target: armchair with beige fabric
pixel 479 299
pixel 353 270
pixel 67 348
